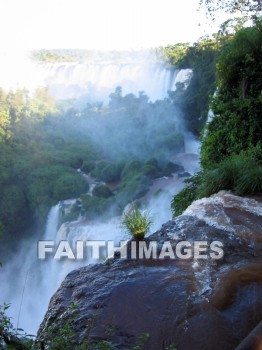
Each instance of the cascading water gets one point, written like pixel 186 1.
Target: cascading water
pixel 95 78
pixel 181 76
pixel 97 81
pixel 30 291
pixel 36 280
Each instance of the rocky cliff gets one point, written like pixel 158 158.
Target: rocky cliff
pixel 181 304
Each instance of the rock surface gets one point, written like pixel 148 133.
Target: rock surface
pixel 183 304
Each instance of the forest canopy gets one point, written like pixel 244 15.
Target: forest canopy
pixel 231 151
pixel 46 144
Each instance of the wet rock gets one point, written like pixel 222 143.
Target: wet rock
pixel 198 304
pixel 253 340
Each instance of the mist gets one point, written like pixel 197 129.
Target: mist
pixel 135 122
pixel 34 281
pixel 125 92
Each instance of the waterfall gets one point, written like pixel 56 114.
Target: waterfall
pixel 52 223
pixel 96 81
pixel 40 278
pixel 181 76
pixel 33 280
pixel 29 292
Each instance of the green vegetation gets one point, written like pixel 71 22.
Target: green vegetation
pixel 136 223
pixel 201 57
pixel 231 152
pixel 102 191
pixel 93 206
pixel 10 337
pixel 107 171
pixel 72 214
pixel 237 104
pixel 37 164
pixel 250 7
pixel 61 335
pixel 43 143
pixel 81 55
pixel 55 56
pixel 240 173
pixel 186 196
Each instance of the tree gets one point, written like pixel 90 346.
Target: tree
pixel 237 105
pixel 116 98
pixel 247 7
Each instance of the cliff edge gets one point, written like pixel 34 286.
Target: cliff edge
pixel 193 303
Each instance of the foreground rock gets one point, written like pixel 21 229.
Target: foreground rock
pixel 182 304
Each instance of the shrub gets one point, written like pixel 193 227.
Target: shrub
pixel 186 196
pixel 151 169
pixel 172 141
pixel 14 209
pixel 96 172
pixel 131 168
pixel 95 206
pixel 111 172
pixel 133 187
pixel 73 214
pixel 88 166
pixel 241 174
pixel 70 186
pixel 171 168
pixel 69 158
pixel 237 122
pixel 222 177
pixel 102 191
pixel 136 223
pixel 249 182
pixel 11 337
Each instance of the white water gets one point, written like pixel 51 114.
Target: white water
pixel 40 279
pixel 23 282
pixel 27 283
pixel 94 79
pixel 97 81
pixel 181 76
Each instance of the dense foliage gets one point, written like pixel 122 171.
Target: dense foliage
pixel 193 101
pixel 43 143
pixel 90 56
pixel 37 165
pixel 237 105
pixel 231 152
pixel 193 96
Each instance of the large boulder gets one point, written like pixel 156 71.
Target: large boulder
pixel 179 304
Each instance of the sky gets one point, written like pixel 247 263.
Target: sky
pixel 99 24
